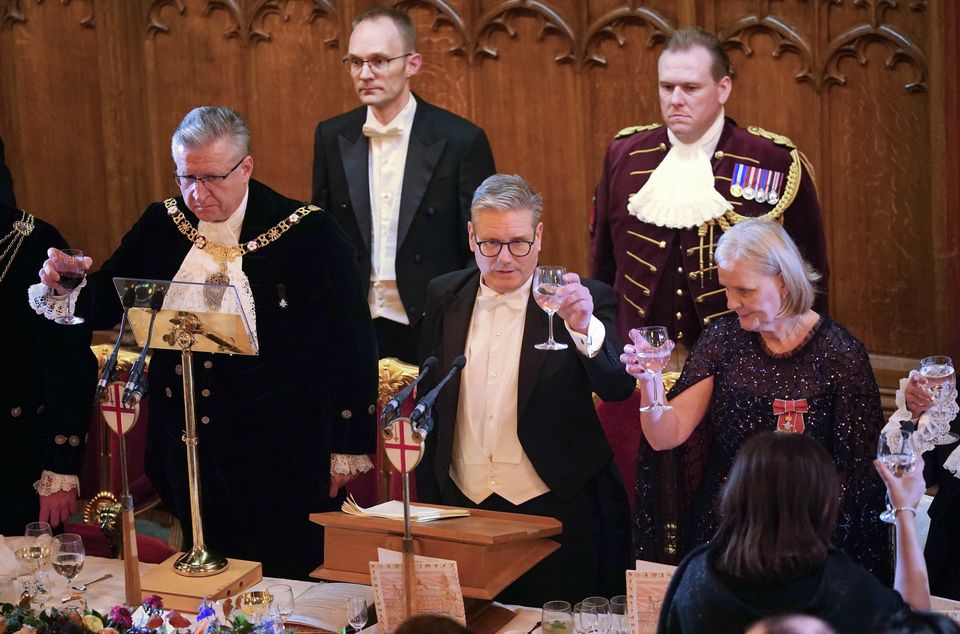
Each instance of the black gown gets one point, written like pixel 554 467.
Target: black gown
pixel 677 491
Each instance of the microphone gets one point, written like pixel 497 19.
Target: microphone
pixel 392 407
pixel 136 384
pixel 422 410
pixel 110 365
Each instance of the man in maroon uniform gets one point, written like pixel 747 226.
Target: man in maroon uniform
pixel 667 193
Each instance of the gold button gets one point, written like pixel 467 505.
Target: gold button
pixel 680 270
pixel 168 392
pixel 205 420
pixel 679 292
pixel 679 335
pixel 61 439
pixel 205 392
pixel 208 364
pixel 74 441
pixel 679 315
pixel 15 412
pixel 346 414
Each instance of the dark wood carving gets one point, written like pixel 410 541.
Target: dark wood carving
pixel 155 24
pixel 11 13
pixel 786 39
pixel 444 15
pixel 500 18
pixel 611 26
pixel 853 44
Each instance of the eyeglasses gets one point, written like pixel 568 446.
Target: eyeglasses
pixel 378 65
pixel 187 181
pixel 492 248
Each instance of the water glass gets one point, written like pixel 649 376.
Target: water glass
pixel 618 614
pixel 601 607
pixel 556 618
pixel 282 606
pixel 357 613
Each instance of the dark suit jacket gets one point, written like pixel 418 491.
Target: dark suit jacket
pixel 557 422
pixel 448 157
pixel 6 182
pixel 267 423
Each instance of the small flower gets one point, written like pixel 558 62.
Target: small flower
pixel 120 617
pixel 109 630
pixel 154 622
pixel 205 611
pixel 177 621
pixel 92 623
pixel 252 245
pixel 294 218
pixel 153 604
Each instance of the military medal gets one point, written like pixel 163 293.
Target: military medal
pixel 761 195
pixel 790 415
pixel 736 184
pixel 749 191
pixel 773 196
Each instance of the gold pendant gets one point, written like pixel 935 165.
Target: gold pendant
pixel 214 296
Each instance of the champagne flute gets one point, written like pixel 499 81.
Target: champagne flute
pixel 282 604
pixel 653 352
pixel 357 613
pixel 556 618
pixel 68 556
pixel 546 281
pixel 71 270
pixel 941 378
pixel 897 451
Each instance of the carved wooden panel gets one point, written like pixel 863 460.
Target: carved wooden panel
pixel 90 93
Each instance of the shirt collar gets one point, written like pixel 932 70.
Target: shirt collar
pixel 708 141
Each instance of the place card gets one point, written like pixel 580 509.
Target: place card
pixel 438 591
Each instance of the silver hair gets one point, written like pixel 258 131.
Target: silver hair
pixel 506 192
pixel 207 124
pixel 766 245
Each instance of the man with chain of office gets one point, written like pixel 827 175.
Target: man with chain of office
pixel 667 192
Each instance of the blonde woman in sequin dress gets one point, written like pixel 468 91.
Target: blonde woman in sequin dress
pixel 771 364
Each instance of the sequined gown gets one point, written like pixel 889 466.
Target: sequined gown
pixel 677 490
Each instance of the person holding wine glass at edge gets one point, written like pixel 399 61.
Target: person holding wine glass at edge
pixel 774 364
pixel 517 430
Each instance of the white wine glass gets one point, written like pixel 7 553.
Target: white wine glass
pixel 940 379
pixel 255 604
pixel 653 348
pixel 68 556
pixel 282 604
pixel 357 613
pixel 71 269
pixel 36 553
pixel 897 452
pixel 546 281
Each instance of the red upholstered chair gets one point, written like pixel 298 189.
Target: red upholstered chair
pixel 383 483
pixel 621 424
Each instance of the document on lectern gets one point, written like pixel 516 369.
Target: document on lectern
pixel 438 589
pixel 210 317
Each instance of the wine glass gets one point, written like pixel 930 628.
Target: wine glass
pixel 36 553
pixel 618 614
pixel 68 556
pixel 282 604
pixel 897 451
pixel 602 610
pixel 653 347
pixel 255 604
pixel 357 612
pixel 71 270
pixel 546 281
pixel 556 618
pixel 941 378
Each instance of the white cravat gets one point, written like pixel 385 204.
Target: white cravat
pixel 487 456
pixel 198 265
pixel 387 159
pixel 680 193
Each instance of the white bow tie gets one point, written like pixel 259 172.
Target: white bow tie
pixel 512 301
pixel 377 131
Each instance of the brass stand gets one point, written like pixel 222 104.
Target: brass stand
pixel 200 561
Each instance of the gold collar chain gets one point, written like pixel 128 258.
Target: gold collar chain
pixel 21 229
pixel 222 253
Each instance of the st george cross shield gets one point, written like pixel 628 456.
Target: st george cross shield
pixel 403 446
pixel 121 419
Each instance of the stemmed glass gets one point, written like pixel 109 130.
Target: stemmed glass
pixel 68 556
pixel 546 281
pixel 556 618
pixel 255 604
pixel 586 620
pixel 71 270
pixel 897 451
pixel 35 555
pixel 618 614
pixel 653 347
pixel 941 378
pixel 282 604
pixel 357 613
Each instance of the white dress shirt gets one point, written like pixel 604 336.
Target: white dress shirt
pixel 387 159
pixel 487 455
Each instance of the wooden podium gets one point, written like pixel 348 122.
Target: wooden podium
pixel 492 549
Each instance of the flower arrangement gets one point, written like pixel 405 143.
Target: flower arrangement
pixel 150 618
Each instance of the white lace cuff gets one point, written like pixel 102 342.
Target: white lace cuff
pixel 51 482
pixel 349 464
pixel 45 302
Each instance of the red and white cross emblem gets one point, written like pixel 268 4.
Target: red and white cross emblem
pixel 397 451
pixel 120 419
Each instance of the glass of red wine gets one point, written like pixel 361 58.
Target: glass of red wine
pixel 71 269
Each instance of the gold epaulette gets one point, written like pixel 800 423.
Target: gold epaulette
pixel 779 139
pixel 636 128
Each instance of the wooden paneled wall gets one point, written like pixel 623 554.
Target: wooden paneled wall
pixel 90 91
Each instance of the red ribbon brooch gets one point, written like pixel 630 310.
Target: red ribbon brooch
pixel 790 415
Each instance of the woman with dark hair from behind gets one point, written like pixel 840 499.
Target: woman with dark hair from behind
pixel 772 552
pixel 919 623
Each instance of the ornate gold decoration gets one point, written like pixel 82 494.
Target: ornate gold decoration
pixel 394 376
pixel 639 128
pixel 14 238
pixel 779 139
pixel 103 509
